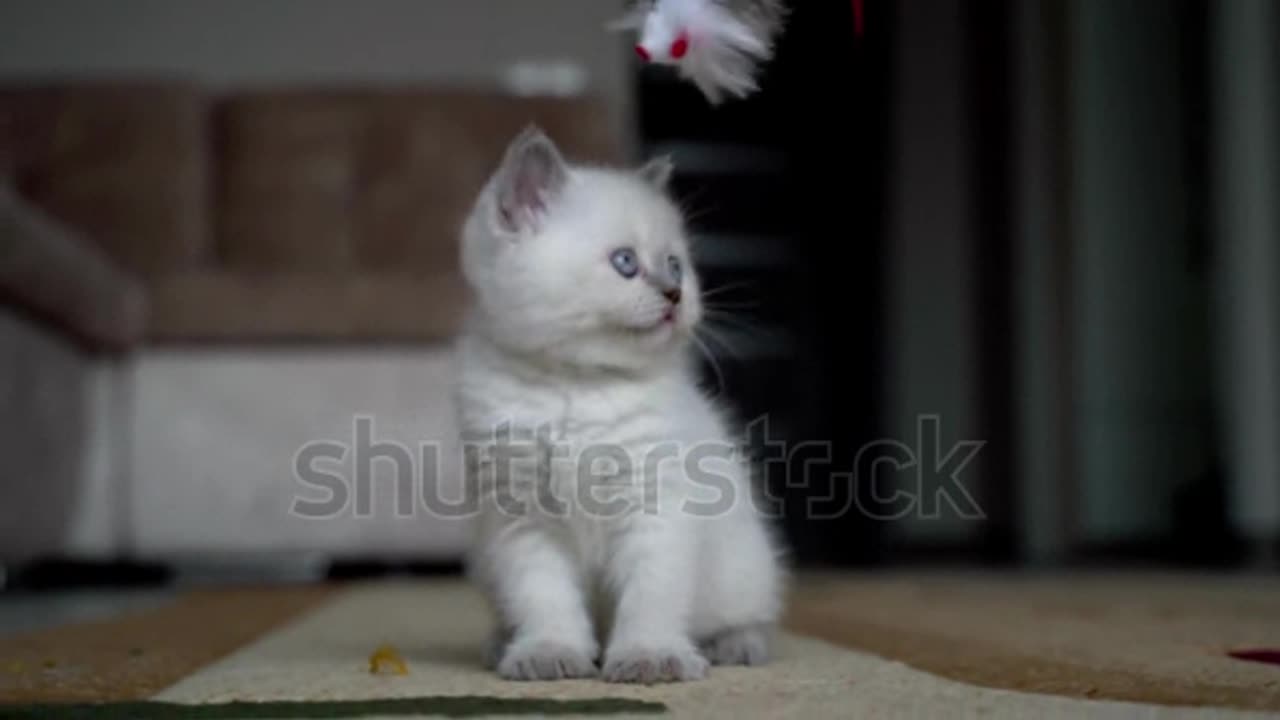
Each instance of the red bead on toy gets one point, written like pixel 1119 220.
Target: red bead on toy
pixel 680 47
pixel 642 53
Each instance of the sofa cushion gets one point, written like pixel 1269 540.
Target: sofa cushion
pixel 348 181
pixel 338 212
pixel 280 215
pixel 423 158
pixel 125 164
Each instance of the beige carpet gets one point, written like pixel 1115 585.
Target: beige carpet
pixel 132 656
pixel 1145 637
pixel 439 629
pixel 883 645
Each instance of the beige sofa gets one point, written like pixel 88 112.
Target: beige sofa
pixel 290 215
pixel 215 280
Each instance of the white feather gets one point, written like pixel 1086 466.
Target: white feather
pixel 727 42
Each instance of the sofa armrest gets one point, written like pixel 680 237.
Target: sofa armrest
pixel 48 271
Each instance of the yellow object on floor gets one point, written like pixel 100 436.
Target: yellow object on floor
pixel 387 658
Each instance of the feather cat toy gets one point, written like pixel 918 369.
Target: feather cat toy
pixel 716 44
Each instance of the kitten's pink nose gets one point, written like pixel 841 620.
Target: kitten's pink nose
pixel 672 295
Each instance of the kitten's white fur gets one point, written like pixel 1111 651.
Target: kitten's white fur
pixel 640 586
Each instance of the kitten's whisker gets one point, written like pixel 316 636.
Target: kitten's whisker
pixel 747 321
pixel 721 342
pixel 692 215
pixel 687 208
pixel 732 306
pixel 737 321
pixel 711 360
pixel 721 289
pixel 737 317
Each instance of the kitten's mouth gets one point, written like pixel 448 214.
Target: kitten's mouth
pixel 665 323
pixel 668 321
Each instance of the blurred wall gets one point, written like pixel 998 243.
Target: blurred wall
pixel 931 314
pixel 1044 455
pixel 1246 170
pixel 1140 320
pixel 251 43
pixel 1138 176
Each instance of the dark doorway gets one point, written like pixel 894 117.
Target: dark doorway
pixel 784 191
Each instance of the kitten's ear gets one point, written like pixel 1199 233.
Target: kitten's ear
pixel 658 171
pixel 531 177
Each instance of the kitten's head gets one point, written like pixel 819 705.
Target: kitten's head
pixel 579 265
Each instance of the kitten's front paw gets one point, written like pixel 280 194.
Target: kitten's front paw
pixel 647 665
pixel 739 646
pixel 545 660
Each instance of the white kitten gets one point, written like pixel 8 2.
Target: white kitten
pixel 628 528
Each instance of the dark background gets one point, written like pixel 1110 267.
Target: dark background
pixel 827 135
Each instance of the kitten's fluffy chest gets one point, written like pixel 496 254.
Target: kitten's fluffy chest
pixel 582 412
pixel 640 421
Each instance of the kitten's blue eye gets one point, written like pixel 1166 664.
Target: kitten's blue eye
pixel 674 269
pixel 625 262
